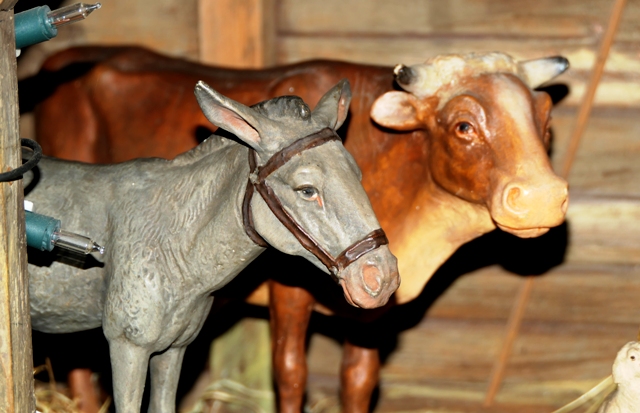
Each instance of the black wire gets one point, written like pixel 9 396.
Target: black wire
pixel 17 173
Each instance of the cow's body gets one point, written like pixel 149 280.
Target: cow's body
pixel 99 123
pixel 406 173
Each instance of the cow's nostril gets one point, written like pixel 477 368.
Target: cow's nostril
pixel 513 194
pixel 371 278
pixel 565 205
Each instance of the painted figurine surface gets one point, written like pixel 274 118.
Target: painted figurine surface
pixel 466 153
pixel 483 164
pixel 175 231
pixel 626 374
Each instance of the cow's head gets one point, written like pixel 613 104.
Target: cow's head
pixel 489 133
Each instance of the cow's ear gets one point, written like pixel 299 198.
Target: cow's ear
pixel 230 115
pixel 333 107
pixel 396 110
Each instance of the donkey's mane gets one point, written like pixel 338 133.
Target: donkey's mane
pixel 283 106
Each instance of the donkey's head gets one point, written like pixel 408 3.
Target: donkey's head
pixel 488 133
pixel 310 202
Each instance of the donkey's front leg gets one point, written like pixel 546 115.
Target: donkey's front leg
pixel 129 363
pixel 165 372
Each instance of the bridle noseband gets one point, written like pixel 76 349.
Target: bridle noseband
pixel 257 177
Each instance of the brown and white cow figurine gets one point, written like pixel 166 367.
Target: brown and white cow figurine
pixel 483 164
pixel 468 154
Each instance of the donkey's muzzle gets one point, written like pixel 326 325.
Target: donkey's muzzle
pixel 369 281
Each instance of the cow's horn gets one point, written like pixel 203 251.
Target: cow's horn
pixel 405 76
pixel 539 71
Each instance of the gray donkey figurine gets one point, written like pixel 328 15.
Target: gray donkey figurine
pixel 177 230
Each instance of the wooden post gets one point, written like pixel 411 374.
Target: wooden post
pixel 16 359
pixel 237 33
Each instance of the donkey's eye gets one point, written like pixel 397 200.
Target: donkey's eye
pixel 633 357
pixel 308 192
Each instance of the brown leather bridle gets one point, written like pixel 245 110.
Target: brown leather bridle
pixel 257 180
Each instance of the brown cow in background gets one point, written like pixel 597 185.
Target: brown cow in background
pixel 469 156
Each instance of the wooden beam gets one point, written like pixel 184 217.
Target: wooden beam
pixel 7 4
pixel 16 360
pixel 237 33
pixel 594 81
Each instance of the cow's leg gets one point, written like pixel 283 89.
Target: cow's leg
pixel 129 364
pixel 165 372
pixel 83 390
pixel 359 375
pixel 290 309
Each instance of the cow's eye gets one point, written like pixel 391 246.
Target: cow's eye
pixel 308 192
pixel 464 129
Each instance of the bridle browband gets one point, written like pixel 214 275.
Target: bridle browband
pixel 257 181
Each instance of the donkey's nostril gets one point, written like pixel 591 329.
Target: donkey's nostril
pixel 371 277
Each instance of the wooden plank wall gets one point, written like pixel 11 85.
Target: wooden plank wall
pixel 237 33
pixel 382 32
pixel 387 33
pixel 582 311
pixel 169 26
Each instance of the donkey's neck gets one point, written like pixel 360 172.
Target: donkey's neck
pixel 208 228
pixel 438 224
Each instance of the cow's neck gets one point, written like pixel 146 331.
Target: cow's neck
pixel 212 239
pixel 438 224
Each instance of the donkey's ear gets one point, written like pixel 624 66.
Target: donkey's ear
pixel 333 108
pixel 396 110
pixel 230 115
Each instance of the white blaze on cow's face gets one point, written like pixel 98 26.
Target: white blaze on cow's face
pixel 527 197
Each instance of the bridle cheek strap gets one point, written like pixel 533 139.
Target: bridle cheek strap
pixel 257 182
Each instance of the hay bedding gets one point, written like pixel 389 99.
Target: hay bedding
pixel 53 397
